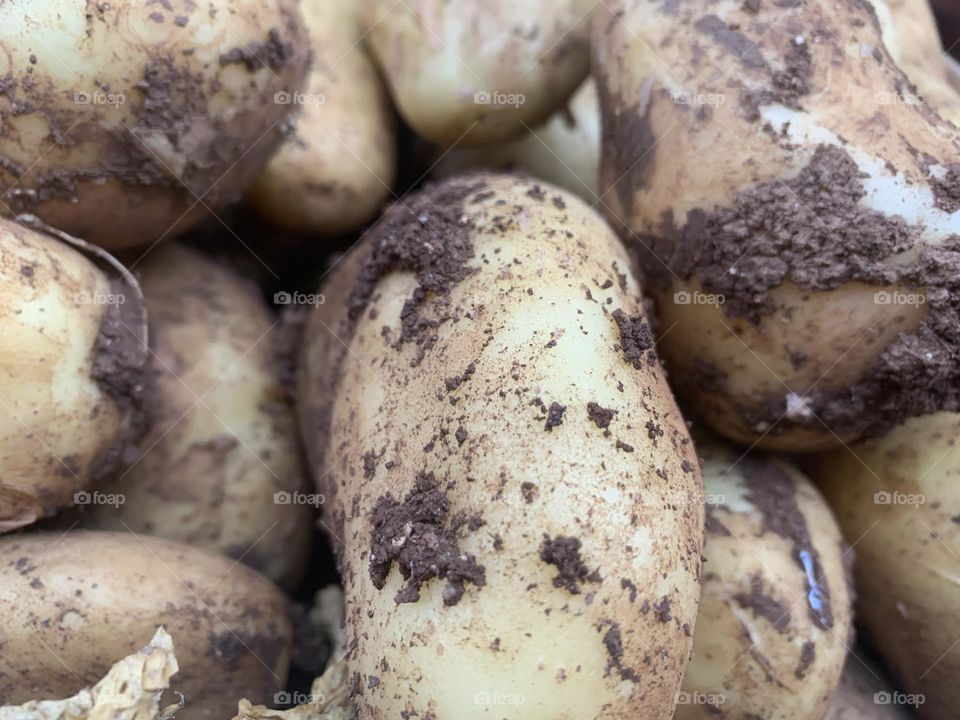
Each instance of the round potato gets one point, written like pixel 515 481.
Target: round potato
pixel 515 497
pixel 798 222
pixel 565 151
pixel 479 71
pixel 897 498
pixel 775 608
pixel 219 467
pixel 74 604
pixel 338 163
pixel 71 362
pixel 125 122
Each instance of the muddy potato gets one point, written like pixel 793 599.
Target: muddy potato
pixel 219 467
pixel 122 122
pixel 338 163
pixel 799 226
pixel 898 499
pixel 775 610
pixel 565 151
pixel 863 695
pixel 70 374
pixel 514 495
pixel 74 604
pixel 479 71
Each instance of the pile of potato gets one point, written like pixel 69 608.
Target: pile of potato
pixel 530 360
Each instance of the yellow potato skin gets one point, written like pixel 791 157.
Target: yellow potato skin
pixel 534 316
pixel 761 648
pixel 61 429
pixel 219 467
pixel 128 122
pixel 337 164
pixel 75 603
pixel 896 497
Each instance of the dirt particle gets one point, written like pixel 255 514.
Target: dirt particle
pixel 564 554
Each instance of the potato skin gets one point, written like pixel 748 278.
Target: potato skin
pixel 830 236
pixel 337 165
pixel 70 374
pixel 486 394
pixel 897 497
pixel 438 56
pixel 565 151
pixel 763 648
pixel 155 107
pixel 220 458
pixel 76 603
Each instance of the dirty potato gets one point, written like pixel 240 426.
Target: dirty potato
pixel 337 164
pixel 515 499
pixel 123 122
pixel 71 362
pixel 775 609
pixel 73 604
pixel 798 224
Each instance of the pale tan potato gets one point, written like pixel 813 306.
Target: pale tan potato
pixel 124 122
pixel 219 467
pixel 479 71
pixel 74 603
pixel 71 370
pixel 338 163
pixel 897 498
pixel 775 609
pixel 798 223
pixel 863 695
pixel 513 493
pixel 564 151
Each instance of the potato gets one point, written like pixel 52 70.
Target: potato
pixel 863 695
pixel 75 603
pixel 220 467
pixel 71 372
pixel 799 224
pixel 338 163
pixel 479 71
pixel 775 615
pixel 514 495
pixel 896 497
pixel 126 122
pixel 565 151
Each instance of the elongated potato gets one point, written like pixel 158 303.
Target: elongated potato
pixel 479 71
pixel 897 498
pixel 775 609
pixel 219 467
pixel 122 121
pixel 73 604
pixel 338 164
pixel 801 229
pixel 515 498
pixel 70 374
pixel 565 151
